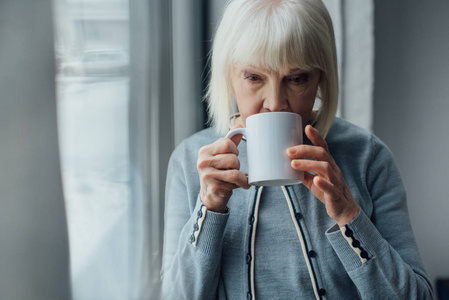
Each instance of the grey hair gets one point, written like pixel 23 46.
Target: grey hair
pixel 273 34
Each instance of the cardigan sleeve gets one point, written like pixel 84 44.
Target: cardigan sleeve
pixel 192 237
pixel 379 252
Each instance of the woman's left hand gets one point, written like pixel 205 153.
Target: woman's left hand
pixel 328 184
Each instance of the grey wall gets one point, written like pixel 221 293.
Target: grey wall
pixel 411 109
pixel 34 259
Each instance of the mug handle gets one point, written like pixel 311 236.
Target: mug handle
pixel 233 132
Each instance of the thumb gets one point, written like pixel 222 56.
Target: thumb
pixel 238 137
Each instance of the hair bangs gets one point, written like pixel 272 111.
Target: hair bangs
pixel 274 40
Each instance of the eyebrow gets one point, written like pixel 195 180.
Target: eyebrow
pixel 252 69
pixel 299 70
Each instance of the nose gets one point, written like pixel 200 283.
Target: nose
pixel 276 98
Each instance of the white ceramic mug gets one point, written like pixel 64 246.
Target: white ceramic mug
pixel 268 137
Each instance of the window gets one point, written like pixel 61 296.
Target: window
pixel 92 48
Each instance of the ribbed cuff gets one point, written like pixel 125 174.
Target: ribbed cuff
pixel 364 231
pixel 212 225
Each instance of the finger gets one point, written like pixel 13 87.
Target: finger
pixel 339 208
pixel 308 180
pixel 315 137
pixel 231 176
pixel 221 162
pixel 219 188
pixel 238 137
pixel 220 146
pixel 308 151
pixel 321 168
pixel 326 186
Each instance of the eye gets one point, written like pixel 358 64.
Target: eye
pixel 252 77
pixel 299 79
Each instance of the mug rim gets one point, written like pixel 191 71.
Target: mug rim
pixel 275 112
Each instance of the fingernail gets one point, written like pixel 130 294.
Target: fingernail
pixel 291 151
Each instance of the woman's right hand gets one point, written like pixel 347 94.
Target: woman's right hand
pixel 218 167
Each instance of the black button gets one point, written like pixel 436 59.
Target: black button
pixel 312 253
pixel 355 243
pixel 248 258
pixel 364 254
pixel 248 296
pixel 349 232
pixel 195 226
pixel 251 220
pixel 192 238
pixel 200 213
pixel 322 292
pixel 298 216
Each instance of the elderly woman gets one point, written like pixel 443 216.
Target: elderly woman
pixel 342 234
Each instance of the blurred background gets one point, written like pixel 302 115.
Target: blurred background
pixel 95 95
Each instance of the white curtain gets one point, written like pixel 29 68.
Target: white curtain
pixel 92 46
pixel 116 130
pixel 151 139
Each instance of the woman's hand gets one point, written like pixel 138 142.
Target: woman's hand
pixel 328 184
pixel 218 167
